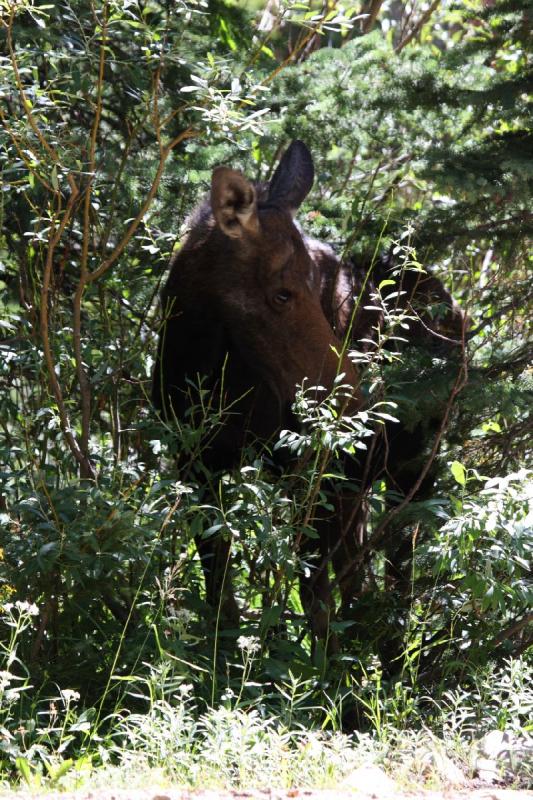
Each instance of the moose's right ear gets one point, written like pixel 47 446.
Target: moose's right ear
pixel 293 178
pixel 233 203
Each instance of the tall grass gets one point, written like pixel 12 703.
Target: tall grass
pixel 48 741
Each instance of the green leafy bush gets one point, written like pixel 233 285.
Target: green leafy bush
pixel 113 115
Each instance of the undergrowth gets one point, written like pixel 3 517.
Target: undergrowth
pixel 111 661
pixel 51 742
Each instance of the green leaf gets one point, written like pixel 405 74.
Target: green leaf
pixel 23 767
pixel 458 472
pixel 55 773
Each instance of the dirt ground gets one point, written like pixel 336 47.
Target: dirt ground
pixel 364 793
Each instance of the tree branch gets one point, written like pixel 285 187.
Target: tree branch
pixel 372 10
pixel 513 629
pixel 375 540
pixel 417 27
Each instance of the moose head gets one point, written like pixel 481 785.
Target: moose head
pixel 243 307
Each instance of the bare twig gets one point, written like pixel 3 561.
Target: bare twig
pixel 188 133
pixel 85 388
pixel 22 155
pixel 377 536
pixel 417 27
pixel 372 11
pixel 50 150
pixel 513 629
pixel 57 229
pixel 433 333
pixel 55 236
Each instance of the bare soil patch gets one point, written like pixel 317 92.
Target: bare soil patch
pixel 364 793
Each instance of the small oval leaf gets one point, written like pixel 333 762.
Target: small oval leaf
pixel 458 472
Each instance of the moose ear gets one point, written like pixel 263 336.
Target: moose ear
pixel 293 178
pixel 233 203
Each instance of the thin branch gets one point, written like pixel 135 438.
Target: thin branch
pixel 55 236
pixel 85 388
pixel 375 540
pixel 496 315
pixel 27 107
pixel 189 133
pixel 22 155
pixel 433 333
pixel 522 218
pixel 372 11
pixel 513 629
pixel 292 55
pixel 417 27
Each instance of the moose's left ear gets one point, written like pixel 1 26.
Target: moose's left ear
pixel 233 203
pixel 293 178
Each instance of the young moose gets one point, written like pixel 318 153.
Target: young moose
pixel 254 308
pixel 243 307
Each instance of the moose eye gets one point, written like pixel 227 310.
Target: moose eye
pixel 282 296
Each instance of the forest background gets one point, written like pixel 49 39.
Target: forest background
pixel 113 115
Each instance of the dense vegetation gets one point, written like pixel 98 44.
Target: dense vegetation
pixel 113 115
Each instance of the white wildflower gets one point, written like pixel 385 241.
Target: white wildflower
pixel 249 644
pixel 69 695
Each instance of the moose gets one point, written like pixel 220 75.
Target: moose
pixel 255 308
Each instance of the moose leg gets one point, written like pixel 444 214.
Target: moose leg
pixel 399 542
pixel 398 564
pixel 347 537
pixel 316 595
pixel 215 555
pixel 345 531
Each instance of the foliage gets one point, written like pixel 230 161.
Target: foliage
pixel 236 747
pixel 113 115
pixel 37 738
pixel 484 551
